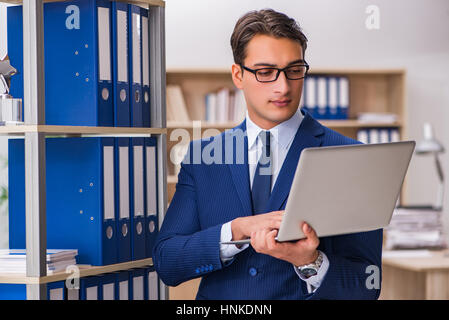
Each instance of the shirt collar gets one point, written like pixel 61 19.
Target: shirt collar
pixel 283 133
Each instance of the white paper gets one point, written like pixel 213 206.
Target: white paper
pixel 344 92
pixel 333 96
pixel 138 288
pixel 384 137
pixel 73 294
pixel 406 254
pixel 322 95
pixel 362 136
pixel 138 181
pixel 395 135
pixel 56 294
pixel 145 55
pixel 124 182
pixel 136 47
pixel 310 93
pixel 374 136
pixel 108 182
pixel 108 291
pixel 122 46
pixel 151 181
pixel 104 44
pixel 92 293
pixel 123 290
pixel 153 285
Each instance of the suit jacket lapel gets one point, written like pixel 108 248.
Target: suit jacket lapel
pixel 307 136
pixel 240 171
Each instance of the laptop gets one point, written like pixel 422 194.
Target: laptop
pixel 344 189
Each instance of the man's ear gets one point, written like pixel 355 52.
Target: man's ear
pixel 237 76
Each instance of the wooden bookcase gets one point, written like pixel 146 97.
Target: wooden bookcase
pixel 370 91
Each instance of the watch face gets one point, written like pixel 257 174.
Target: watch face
pixel 308 272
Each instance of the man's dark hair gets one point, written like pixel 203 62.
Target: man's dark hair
pixel 267 22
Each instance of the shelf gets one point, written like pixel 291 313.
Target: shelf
pixel 204 125
pixel 78 130
pixel 438 260
pixel 357 124
pixel 85 271
pixel 35 216
pixel 327 123
pixel 154 3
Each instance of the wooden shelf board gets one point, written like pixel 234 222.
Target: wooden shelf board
pixel 172 179
pixel 357 124
pixel 85 271
pixel 156 3
pixel 78 130
pixel 327 123
pixel 204 125
pixel 439 260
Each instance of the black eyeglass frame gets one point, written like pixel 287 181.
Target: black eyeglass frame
pixel 254 71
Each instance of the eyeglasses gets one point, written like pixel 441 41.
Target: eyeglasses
pixel 294 72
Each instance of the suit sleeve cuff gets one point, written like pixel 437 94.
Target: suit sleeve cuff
pixel 228 251
pixel 315 281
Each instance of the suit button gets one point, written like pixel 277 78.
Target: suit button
pixel 253 272
pixel 203 269
pixel 197 270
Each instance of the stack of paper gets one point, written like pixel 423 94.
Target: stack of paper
pixel 420 253
pixel 415 228
pixel 14 260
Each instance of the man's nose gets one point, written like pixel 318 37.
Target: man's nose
pixel 282 84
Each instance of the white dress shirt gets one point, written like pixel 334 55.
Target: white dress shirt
pixel 281 139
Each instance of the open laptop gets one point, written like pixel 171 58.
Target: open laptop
pixel 344 189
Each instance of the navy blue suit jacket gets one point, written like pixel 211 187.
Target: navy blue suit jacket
pixel 209 195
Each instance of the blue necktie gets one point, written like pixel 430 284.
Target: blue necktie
pixel 261 189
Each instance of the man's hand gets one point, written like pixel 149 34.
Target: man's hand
pixel 243 227
pixel 298 253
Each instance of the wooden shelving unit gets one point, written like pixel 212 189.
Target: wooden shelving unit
pixel 371 90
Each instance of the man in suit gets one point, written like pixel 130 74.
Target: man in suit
pixel 235 186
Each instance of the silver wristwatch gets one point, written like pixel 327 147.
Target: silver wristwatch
pixel 311 269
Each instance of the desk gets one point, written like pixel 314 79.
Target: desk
pixel 416 278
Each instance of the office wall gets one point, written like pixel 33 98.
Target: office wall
pixel 413 34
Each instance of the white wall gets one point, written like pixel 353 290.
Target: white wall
pixel 413 34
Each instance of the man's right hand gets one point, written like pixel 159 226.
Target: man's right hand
pixel 242 227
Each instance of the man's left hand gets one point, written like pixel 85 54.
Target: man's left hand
pixel 298 253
